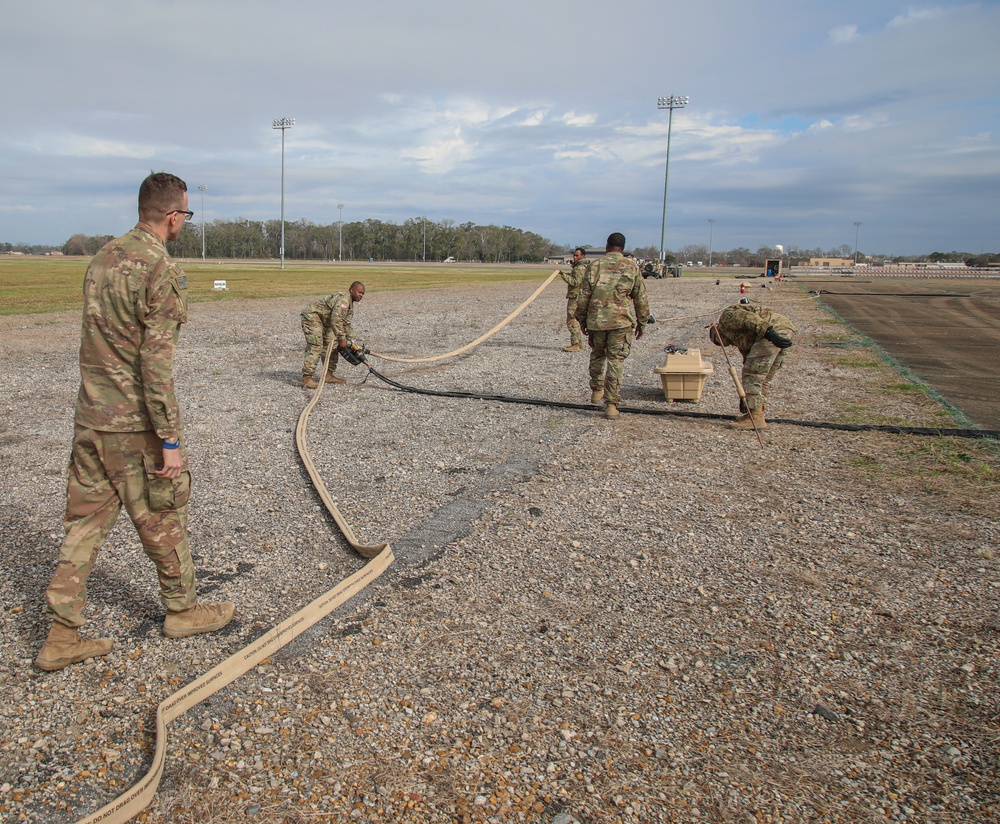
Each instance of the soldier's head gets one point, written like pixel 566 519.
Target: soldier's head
pixel 616 242
pixel 357 290
pixel 163 204
pixel 578 254
pixel 715 335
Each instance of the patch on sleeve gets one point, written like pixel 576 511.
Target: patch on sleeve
pixel 182 281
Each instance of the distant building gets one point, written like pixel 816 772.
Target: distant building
pixel 829 263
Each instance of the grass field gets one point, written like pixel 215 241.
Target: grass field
pixel 33 285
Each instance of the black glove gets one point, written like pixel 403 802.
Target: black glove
pixel 778 340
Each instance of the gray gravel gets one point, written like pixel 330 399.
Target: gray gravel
pixel 644 620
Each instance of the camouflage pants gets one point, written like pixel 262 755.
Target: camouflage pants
pixel 608 351
pixel 317 340
pixel 575 335
pixel 107 470
pixel 759 366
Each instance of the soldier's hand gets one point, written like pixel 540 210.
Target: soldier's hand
pixel 173 463
pixel 639 331
pixel 777 339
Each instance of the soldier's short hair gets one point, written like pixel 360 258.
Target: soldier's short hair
pixel 158 194
pixel 581 250
pixel 616 239
pixel 356 283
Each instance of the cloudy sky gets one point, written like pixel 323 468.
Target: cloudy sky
pixel 805 116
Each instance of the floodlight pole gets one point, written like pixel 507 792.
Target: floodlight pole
pixel 202 188
pixel 671 103
pixel 711 229
pixel 283 123
pixel 340 230
pixel 857 231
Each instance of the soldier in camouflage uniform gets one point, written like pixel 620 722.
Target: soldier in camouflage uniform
pixel 325 319
pixel 127 443
pixel 611 304
pixel 573 279
pixel 762 336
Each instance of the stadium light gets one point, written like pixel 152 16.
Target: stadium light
pixel 283 123
pixel 340 230
pixel 671 103
pixel 202 188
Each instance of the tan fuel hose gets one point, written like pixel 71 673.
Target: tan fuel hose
pixel 137 798
pixel 739 385
pixel 481 338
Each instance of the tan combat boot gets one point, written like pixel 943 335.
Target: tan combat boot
pixel 331 378
pixel 597 396
pixel 573 347
pixel 611 411
pixel 308 382
pixel 64 646
pixel 752 420
pixel 198 619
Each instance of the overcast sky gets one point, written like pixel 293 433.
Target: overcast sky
pixel 805 116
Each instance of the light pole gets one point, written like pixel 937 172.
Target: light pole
pixel 340 230
pixel 671 103
pixel 857 231
pixel 711 229
pixel 423 231
pixel 283 123
pixel 202 188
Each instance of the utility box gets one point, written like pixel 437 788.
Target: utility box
pixel 683 375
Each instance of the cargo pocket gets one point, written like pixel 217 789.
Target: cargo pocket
pixel 165 493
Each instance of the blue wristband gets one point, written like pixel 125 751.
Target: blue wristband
pixel 168 445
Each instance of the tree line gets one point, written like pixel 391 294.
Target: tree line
pixel 416 239
pixel 419 238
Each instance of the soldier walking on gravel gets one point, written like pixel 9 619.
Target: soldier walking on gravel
pixel 325 319
pixel 611 304
pixel 573 279
pixel 127 444
pixel 762 336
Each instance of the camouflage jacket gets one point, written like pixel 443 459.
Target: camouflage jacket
pixel 743 325
pixel 574 277
pixel 134 302
pixel 335 312
pixel 612 295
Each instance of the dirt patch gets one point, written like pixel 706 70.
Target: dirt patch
pixel 945 331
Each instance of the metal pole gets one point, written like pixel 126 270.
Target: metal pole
pixel 671 103
pixel 857 231
pixel 340 230
pixel 283 123
pixel 711 229
pixel 201 188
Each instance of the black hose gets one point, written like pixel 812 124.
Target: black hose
pixel 683 413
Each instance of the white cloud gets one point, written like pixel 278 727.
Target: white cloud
pixel 580 120
pixel 847 33
pixel 917 15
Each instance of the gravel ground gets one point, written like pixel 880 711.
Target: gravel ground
pixel 643 620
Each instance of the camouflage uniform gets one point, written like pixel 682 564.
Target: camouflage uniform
pixel 611 303
pixel 743 326
pixel 573 279
pixel 134 301
pixel 325 319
